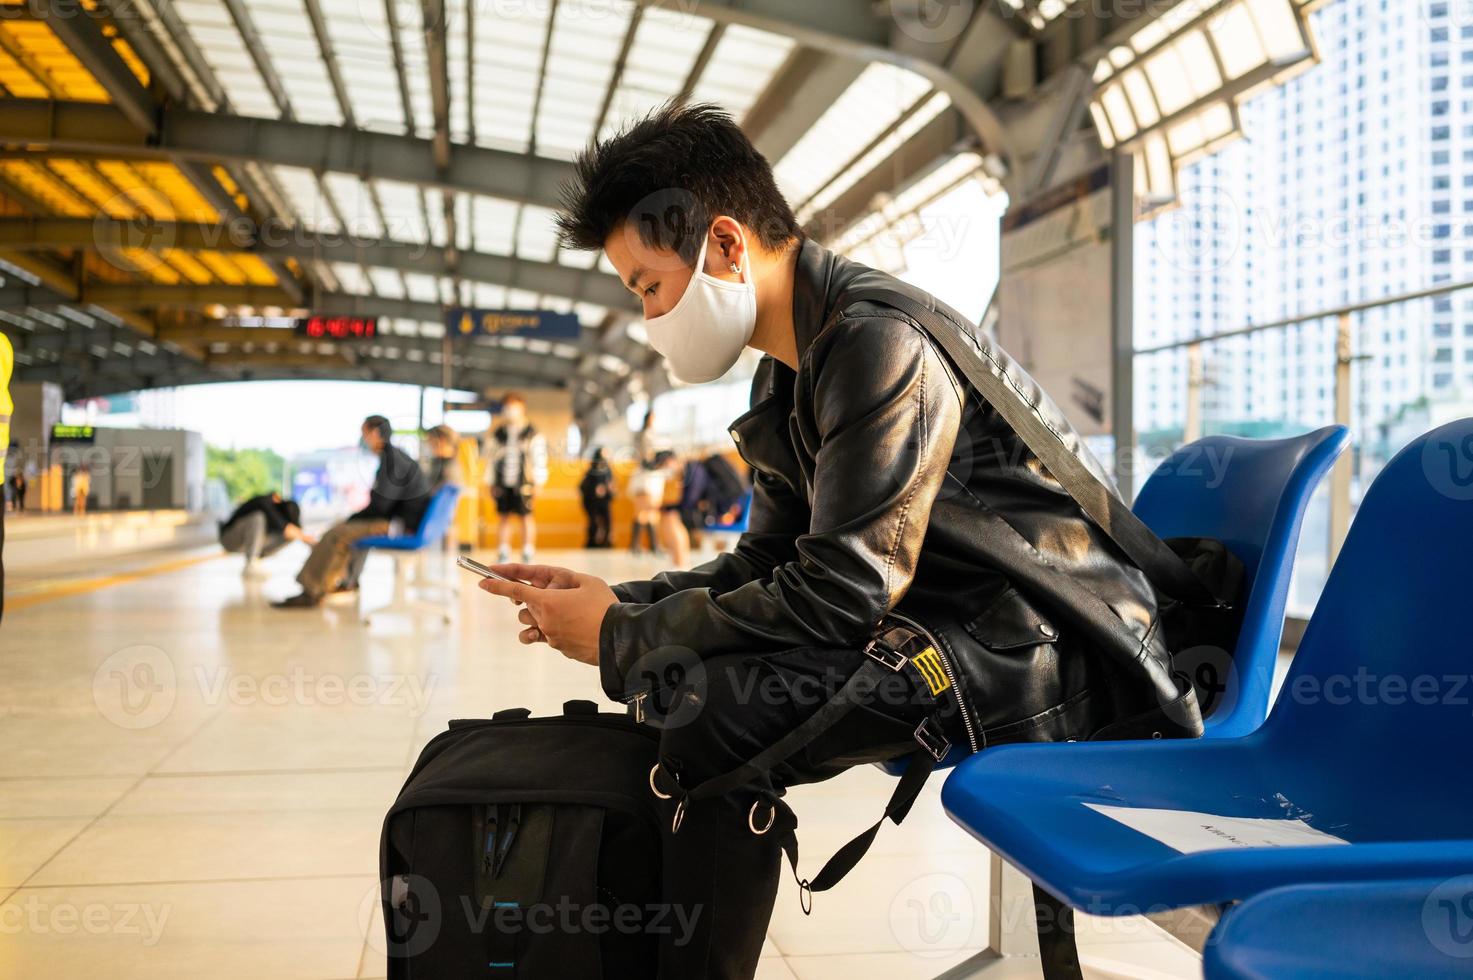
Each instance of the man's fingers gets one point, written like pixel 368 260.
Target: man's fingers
pixel 540 576
pixel 533 635
pixel 515 591
pixel 526 618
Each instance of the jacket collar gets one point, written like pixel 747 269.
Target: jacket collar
pixel 812 280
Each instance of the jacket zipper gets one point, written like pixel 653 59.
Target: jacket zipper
pixel 950 674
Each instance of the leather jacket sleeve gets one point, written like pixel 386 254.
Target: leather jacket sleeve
pixel 884 417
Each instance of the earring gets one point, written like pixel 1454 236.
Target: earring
pixel 735 267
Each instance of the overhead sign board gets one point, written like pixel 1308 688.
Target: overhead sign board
pixel 73 433
pixel 337 327
pixel 464 321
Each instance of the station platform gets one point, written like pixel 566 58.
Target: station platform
pixel 193 783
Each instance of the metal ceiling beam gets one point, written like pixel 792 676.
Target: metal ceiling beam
pixel 583 285
pixel 869 32
pixel 77 28
pixel 159 373
pixel 779 119
pixel 933 144
pixel 45 127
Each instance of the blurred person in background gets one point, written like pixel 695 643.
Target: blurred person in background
pixel 81 489
pixel 7 365
pixel 260 527
pixel 18 488
pixel 518 455
pixel 647 490
pixel 399 493
pixel 597 491
pixel 674 535
pixel 441 469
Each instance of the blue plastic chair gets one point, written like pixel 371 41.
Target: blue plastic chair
pixel 409 549
pixel 738 525
pixel 1251 494
pixel 1370 930
pixel 1378 767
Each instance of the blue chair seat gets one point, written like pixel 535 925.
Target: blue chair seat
pixel 439 512
pixel 1028 802
pixel 1364 742
pixel 1370 930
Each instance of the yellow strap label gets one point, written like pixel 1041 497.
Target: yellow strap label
pixel 929 664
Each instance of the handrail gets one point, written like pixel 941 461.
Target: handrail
pixel 1335 311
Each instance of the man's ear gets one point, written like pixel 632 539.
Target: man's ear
pixel 730 247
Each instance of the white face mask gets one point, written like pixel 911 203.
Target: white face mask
pixel 704 334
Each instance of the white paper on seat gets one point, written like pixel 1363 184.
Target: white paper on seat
pixel 1190 832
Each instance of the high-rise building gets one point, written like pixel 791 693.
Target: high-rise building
pixel 1349 185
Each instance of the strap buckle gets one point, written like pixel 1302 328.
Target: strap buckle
pixel 932 740
pixel 635 705
pixel 886 655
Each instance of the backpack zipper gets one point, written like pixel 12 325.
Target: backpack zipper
pixel 950 674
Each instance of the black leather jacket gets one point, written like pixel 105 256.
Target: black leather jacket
pixel 885 486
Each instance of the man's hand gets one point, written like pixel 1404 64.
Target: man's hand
pixel 562 608
pixel 294 532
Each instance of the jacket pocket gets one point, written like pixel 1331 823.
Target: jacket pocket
pixel 1012 623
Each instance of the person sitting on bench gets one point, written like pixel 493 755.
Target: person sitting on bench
pixel 898 524
pixel 400 492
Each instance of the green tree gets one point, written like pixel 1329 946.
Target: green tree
pixel 245 472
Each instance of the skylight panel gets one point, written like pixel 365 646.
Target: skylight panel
pixel 664 51
pixel 355 205
pixel 423 288
pixel 507 51
pixel 387 282
pixel 495 224
pixel 403 213
pixel 213 30
pixel 580 66
pixel 537 237
pixel 741 68
pixel 307 203
pixel 359 33
pixel 488 295
pixel 292 48
pixel 870 105
pixel 351 278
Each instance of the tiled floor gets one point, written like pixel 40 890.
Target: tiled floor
pixel 192 785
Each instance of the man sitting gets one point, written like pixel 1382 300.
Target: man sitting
pixel 898 525
pixel 260 527
pixel 400 492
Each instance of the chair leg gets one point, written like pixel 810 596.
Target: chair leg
pixel 1057 948
pixel 409 577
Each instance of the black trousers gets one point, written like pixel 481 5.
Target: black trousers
pixel 598 521
pixel 720 714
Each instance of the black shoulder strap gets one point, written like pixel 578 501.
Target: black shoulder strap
pixel 972 356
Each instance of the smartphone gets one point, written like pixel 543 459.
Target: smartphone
pixel 471 565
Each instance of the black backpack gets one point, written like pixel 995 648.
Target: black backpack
pixel 526 848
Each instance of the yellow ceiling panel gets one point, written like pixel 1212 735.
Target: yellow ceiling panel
pixel 152 265
pixel 44 55
pixel 141 193
pixel 82 178
pixel 129 56
pixel 255 270
pixel 18 81
pixel 46 187
pixel 185 199
pixel 187 264
pixel 224 269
